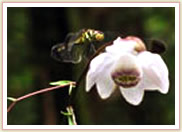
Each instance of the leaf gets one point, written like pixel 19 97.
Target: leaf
pixel 11 99
pixel 66 113
pixel 70 115
pixel 60 83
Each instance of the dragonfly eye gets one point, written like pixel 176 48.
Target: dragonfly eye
pixel 99 37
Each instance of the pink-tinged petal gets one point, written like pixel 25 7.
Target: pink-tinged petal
pixel 155 72
pixel 99 68
pixel 121 45
pixel 133 95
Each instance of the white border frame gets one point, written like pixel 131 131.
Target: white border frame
pixel 87 127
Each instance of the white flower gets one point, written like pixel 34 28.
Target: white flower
pixel 128 66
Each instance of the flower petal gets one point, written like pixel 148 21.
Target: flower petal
pixel 133 95
pixel 120 46
pixel 127 61
pixel 99 73
pixel 126 71
pixel 155 72
pixel 105 85
pixel 90 80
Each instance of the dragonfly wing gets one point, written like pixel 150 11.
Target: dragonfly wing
pixel 60 53
pixel 90 50
pixel 76 53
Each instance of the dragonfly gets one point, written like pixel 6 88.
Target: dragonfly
pixel 80 45
pixel 87 43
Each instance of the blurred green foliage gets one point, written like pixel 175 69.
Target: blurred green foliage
pixel 33 31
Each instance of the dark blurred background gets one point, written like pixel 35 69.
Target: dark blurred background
pixel 33 31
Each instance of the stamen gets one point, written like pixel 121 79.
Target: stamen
pixel 126 79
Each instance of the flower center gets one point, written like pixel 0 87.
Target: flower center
pixel 126 79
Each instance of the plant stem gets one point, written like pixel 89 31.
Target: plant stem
pixel 35 93
pixel 11 106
